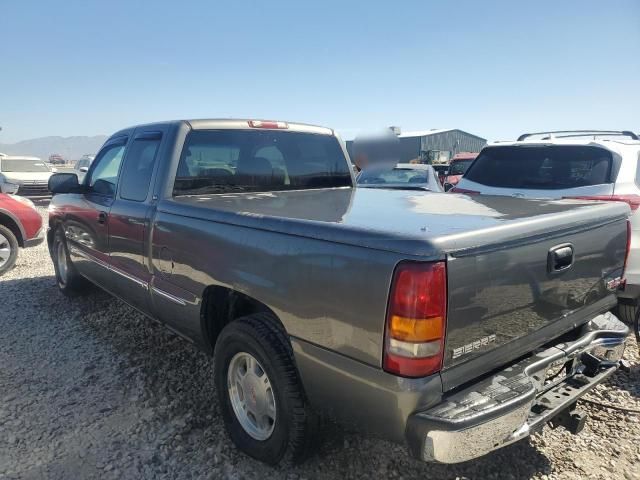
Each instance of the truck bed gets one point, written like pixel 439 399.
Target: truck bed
pixel 429 225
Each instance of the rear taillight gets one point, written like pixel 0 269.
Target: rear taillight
pixel 632 200
pixel 268 124
pixel 464 190
pixel 416 320
pixel 626 255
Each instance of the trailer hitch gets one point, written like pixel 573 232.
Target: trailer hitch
pixel 593 365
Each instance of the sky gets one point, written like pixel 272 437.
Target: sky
pixel 492 68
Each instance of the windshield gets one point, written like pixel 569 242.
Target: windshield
pixel 544 167
pixel 23 165
pixel 459 167
pixel 396 175
pixel 221 161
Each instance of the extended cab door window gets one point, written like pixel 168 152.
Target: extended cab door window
pixel 138 167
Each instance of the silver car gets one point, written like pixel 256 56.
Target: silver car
pixel 82 166
pixel 404 176
pixel 597 165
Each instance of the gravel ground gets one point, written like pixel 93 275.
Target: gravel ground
pixel 89 388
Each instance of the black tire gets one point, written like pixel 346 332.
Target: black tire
pixel 295 424
pixel 72 283
pixel 12 245
pixel 627 313
pixel 636 327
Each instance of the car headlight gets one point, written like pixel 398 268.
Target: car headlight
pixel 10 188
pixel 24 201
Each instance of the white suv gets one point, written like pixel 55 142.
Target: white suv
pixel 25 176
pixel 593 164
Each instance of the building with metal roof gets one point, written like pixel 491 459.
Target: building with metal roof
pixel 435 146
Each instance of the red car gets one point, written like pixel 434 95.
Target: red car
pixel 458 166
pixel 20 226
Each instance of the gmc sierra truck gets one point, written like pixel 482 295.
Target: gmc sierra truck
pixel 454 324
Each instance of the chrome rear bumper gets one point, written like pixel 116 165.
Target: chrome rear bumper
pixel 518 400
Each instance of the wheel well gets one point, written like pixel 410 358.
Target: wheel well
pixel 221 305
pixel 10 223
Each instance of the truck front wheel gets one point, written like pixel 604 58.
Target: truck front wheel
pixel 69 281
pixel 261 398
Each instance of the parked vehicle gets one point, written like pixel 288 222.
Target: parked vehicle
pixel 20 227
pixel 458 166
pixel 449 323
pixel 56 159
pixel 441 171
pixel 404 176
pixel 27 176
pixel 81 167
pixel 593 164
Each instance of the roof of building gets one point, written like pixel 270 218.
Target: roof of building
pixel 435 131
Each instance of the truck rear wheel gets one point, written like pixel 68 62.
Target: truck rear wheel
pixel 8 249
pixel 627 312
pixel 261 398
pixel 69 281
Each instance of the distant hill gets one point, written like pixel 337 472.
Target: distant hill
pixel 71 148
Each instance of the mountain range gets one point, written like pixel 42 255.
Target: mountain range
pixel 71 148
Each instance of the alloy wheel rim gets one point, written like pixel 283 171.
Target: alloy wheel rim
pixel 61 256
pixel 252 397
pixel 5 250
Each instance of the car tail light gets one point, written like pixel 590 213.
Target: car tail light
pixel 464 190
pixel 268 124
pixel 632 200
pixel 416 320
pixel 626 254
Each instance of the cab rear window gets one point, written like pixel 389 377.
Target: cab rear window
pixel 545 167
pixel 224 161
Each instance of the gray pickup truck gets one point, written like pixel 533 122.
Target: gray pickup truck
pixel 453 324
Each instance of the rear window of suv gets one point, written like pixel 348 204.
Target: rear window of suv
pixel 224 161
pixel 545 167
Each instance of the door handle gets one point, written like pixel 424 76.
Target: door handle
pixel 102 217
pixel 560 258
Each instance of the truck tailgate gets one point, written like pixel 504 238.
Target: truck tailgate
pixel 506 299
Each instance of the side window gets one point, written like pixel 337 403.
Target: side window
pixel 138 167
pixel 638 171
pixel 104 176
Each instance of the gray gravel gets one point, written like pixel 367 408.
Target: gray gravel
pixel 89 388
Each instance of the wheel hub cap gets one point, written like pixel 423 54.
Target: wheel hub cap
pixel 251 395
pixel 62 263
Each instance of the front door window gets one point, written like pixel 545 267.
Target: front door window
pixel 104 176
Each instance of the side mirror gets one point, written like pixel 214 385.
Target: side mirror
pixel 84 169
pixel 63 183
pixel 447 186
